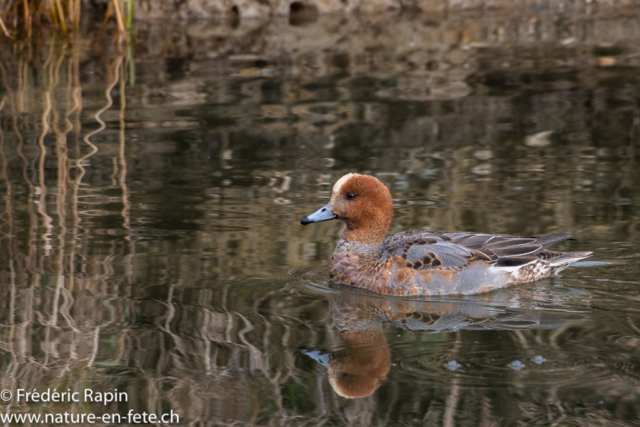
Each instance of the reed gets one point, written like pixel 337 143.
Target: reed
pixel 20 17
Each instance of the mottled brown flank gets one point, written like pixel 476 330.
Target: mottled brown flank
pixel 377 277
pixel 363 273
pixel 443 275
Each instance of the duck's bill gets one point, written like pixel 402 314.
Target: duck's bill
pixel 322 214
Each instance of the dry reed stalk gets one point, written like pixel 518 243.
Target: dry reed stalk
pixel 59 12
pixel 63 14
pixel 105 20
pixel 119 19
pixel 4 28
pixel 27 17
pixel 74 13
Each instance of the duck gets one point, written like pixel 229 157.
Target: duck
pixel 426 263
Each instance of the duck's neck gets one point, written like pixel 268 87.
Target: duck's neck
pixel 364 236
pixel 370 230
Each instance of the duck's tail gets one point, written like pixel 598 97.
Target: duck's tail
pixel 562 260
pixel 546 264
pixel 552 239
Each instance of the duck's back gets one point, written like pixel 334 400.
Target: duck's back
pixel 445 262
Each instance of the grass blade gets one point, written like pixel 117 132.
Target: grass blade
pixel 130 12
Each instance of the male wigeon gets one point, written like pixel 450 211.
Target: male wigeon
pixel 427 262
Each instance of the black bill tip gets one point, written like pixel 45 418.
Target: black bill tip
pixel 322 214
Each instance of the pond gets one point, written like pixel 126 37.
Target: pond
pixel 152 196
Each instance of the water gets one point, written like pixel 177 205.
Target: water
pixel 151 198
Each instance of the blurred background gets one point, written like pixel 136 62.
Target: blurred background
pixel 154 172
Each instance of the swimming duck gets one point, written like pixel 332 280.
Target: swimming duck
pixel 427 262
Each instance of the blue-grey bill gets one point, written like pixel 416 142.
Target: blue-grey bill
pixel 322 214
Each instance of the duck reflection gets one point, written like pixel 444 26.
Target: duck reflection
pixel 363 364
pixel 359 369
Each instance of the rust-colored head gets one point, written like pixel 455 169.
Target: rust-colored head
pixel 363 203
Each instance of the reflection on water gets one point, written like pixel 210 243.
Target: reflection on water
pixel 359 368
pixel 151 200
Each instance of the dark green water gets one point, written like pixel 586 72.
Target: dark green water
pixel 151 200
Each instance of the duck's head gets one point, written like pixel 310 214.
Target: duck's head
pixel 363 203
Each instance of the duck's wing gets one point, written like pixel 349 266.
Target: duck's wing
pixel 508 251
pixel 454 250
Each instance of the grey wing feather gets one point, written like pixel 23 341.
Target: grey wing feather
pixel 456 249
pixel 415 246
pixel 450 254
pixel 503 245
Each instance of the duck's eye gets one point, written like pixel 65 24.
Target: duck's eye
pixel 351 196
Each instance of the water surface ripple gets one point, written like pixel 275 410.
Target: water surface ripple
pixel 151 199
